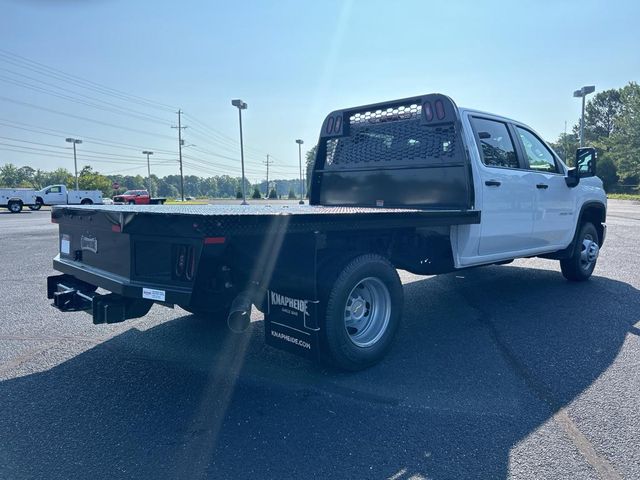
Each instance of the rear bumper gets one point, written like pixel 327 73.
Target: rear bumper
pixel 123 286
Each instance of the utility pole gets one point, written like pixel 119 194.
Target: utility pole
pixel 147 153
pixel 180 143
pixel 267 163
pixel 240 105
pixel 300 142
pixel 582 93
pixel 75 141
pixel 565 142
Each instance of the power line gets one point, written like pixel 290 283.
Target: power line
pixel 57 112
pixel 41 68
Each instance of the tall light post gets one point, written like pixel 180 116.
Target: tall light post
pixel 241 106
pixel 75 141
pixel 147 153
pixel 582 93
pixel 300 142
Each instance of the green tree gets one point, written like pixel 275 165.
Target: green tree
pixel 239 195
pixel 292 194
pixel 9 175
pixel 90 180
pixel 273 194
pixel 256 193
pixel 625 140
pixel 607 172
pixel 310 160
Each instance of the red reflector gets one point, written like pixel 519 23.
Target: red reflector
pixel 116 228
pixel 428 111
pixel 213 240
pixel 439 109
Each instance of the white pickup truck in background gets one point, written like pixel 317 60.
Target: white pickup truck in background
pixel 59 195
pixel 16 198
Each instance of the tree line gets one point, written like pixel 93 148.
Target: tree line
pixel 612 126
pixel 221 186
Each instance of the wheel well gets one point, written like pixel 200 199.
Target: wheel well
pixel 595 214
pixel 39 200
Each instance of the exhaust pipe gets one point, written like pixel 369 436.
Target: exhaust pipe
pixel 240 313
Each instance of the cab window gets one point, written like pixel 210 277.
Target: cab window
pixel 538 155
pixel 54 190
pixel 496 145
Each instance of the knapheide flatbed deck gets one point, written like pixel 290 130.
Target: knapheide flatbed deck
pixel 213 220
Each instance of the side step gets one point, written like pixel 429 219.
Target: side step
pixel 70 294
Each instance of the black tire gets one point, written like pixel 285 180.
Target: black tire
pixel 15 206
pixel 358 347
pixel 86 201
pixel 132 202
pixel 37 205
pixel 580 265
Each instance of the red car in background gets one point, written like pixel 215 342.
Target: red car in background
pixel 137 197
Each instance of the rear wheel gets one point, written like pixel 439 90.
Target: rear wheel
pixel 86 201
pixel 363 313
pixel 132 202
pixel 15 206
pixel 580 265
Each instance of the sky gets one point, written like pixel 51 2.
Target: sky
pixel 292 62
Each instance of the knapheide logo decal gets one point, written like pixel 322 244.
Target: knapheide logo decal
pixel 292 303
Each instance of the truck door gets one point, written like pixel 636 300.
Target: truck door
pixel 554 209
pixel 54 195
pixel 507 199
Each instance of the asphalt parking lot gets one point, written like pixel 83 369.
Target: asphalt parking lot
pixel 505 371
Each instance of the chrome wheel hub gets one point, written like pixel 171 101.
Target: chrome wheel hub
pixel 367 312
pixel 589 252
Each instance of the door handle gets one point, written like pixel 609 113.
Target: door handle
pixel 492 183
pixel 542 185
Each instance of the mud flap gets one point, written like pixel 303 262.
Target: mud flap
pixel 291 324
pixel 292 313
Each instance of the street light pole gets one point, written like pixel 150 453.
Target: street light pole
pixel 300 142
pixel 74 141
pixel 582 93
pixel 147 153
pixel 241 106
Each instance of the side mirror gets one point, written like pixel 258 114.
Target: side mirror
pixel 573 178
pixel 586 162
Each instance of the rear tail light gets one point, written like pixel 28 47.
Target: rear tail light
pixel 184 267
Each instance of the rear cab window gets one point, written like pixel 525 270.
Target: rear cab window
pixel 495 143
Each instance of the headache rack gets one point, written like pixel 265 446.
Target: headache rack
pixel 407 152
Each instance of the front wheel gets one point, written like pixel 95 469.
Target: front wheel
pixel 132 202
pixel 37 205
pixel 363 313
pixel 580 265
pixel 15 206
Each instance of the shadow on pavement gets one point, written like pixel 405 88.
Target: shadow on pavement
pixel 484 359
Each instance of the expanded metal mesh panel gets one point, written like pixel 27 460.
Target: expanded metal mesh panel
pixel 392 143
pixel 404 112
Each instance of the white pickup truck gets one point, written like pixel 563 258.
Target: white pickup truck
pixel 59 195
pixel 416 184
pixel 16 198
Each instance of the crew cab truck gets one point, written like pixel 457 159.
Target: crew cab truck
pixel 137 197
pixel 60 195
pixel 15 198
pixel 416 184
